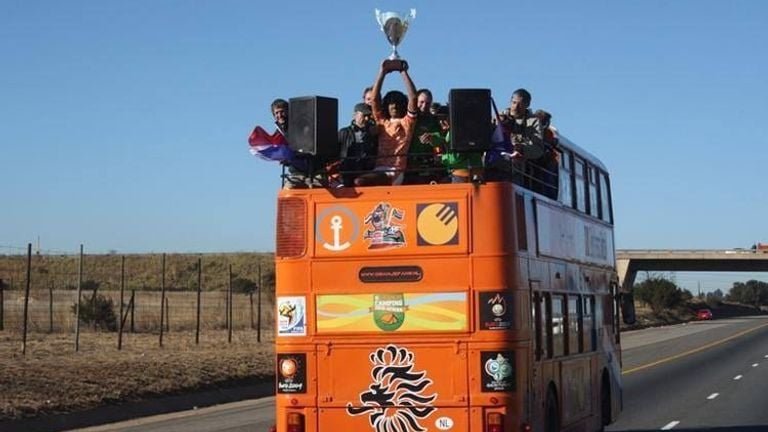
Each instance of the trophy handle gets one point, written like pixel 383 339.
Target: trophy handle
pixel 412 15
pixel 378 18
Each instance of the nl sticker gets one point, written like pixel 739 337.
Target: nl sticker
pixel 291 316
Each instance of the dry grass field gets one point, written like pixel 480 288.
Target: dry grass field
pixel 182 308
pixel 52 378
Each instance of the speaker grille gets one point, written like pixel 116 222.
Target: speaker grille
pixel 312 125
pixel 470 118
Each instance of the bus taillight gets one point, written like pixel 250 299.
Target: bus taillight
pixel 291 227
pixel 295 422
pixel 494 422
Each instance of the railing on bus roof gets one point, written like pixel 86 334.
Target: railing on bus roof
pixel 526 173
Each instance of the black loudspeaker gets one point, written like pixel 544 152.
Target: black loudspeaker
pixel 313 125
pixel 470 119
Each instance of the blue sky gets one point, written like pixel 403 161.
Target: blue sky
pixel 123 125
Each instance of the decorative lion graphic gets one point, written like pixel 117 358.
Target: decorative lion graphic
pixel 396 400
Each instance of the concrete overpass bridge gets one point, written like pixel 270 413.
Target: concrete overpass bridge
pixel 631 261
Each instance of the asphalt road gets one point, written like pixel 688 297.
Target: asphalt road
pixel 255 415
pixel 715 378
pixel 703 376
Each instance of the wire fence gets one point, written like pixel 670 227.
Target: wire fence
pixel 148 293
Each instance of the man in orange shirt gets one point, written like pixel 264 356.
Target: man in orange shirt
pixel 395 117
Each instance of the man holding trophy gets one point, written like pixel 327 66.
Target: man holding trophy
pixel 395 114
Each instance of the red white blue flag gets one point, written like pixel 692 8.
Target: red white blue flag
pixel 272 147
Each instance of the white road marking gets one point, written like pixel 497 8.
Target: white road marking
pixel 671 425
pixel 755 364
pixel 712 396
pixel 737 377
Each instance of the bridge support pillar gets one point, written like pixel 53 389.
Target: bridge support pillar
pixel 627 274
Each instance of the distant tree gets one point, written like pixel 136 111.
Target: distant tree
pixel 752 292
pixel 98 311
pixel 90 285
pixel 659 293
pixel 243 285
pixel 686 295
pixel 714 299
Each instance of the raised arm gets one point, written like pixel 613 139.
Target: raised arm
pixel 376 104
pixel 412 97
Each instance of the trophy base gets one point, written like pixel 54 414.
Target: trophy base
pixel 395 64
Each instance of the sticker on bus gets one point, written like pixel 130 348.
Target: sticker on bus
pixel 385 227
pixel 291 316
pixel 495 310
pixel 498 371
pixel 437 224
pixel 398 394
pixel 292 373
pixel 389 312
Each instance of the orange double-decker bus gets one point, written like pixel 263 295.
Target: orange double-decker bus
pixel 449 307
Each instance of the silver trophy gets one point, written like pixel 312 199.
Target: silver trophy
pixel 394 27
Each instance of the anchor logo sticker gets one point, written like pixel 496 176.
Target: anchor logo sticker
pixel 341 223
pixel 336 227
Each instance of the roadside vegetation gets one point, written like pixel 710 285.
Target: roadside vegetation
pixel 142 271
pixel 660 301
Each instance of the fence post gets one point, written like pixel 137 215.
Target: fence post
pixel 250 302
pixel 133 308
pixel 2 304
pixel 231 324
pixel 50 307
pixel 122 292
pixel 26 298
pixel 258 315
pixel 162 302
pixel 199 289
pixel 77 301
pixel 168 315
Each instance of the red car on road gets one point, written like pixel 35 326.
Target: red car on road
pixel 704 314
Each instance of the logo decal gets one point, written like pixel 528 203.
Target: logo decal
pixel 498 371
pixel 390 274
pixel 340 225
pixel 437 224
pixel 495 311
pixel 291 318
pixel 389 311
pixel 383 233
pixel 444 423
pixel 396 400
pixel 291 373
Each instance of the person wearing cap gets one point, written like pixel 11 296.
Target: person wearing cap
pixel 358 144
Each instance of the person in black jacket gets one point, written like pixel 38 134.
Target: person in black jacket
pixel 358 145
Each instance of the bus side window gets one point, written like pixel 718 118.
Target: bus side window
pixel 588 321
pixel 593 198
pixel 579 184
pixel 566 193
pixel 574 325
pixel 558 325
pixel 608 305
pixel 545 307
pixel 522 230
pixel 616 297
pixel 536 310
pixel 605 198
